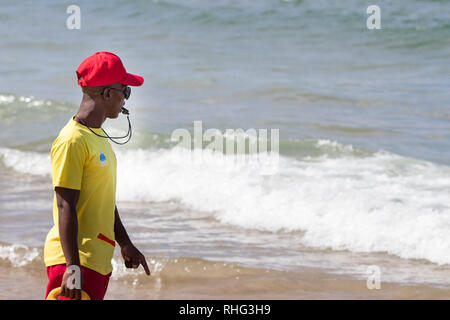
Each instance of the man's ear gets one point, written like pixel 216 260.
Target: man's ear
pixel 106 94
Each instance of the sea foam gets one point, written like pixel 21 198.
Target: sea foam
pixel 380 203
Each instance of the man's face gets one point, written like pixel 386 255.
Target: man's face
pixel 115 99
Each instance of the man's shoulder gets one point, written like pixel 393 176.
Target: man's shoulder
pixel 70 135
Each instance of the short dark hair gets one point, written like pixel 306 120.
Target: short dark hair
pixel 93 91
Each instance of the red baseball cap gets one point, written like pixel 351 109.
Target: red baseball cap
pixel 105 68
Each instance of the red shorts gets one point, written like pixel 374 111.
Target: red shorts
pixel 94 283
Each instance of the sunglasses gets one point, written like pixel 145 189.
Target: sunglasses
pixel 126 91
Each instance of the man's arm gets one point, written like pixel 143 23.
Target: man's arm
pixel 66 200
pixel 131 255
pixel 121 234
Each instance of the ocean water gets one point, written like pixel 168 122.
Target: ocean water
pixel 363 116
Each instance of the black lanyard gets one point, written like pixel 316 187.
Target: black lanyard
pixel 111 138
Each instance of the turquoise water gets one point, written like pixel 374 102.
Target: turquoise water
pixel 309 68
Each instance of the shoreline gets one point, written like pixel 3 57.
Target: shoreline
pixel 29 284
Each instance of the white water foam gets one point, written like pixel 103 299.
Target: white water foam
pixel 26 101
pixel 34 163
pixel 7 99
pixel 381 203
pixel 18 255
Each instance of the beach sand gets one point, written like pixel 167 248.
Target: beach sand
pixel 30 283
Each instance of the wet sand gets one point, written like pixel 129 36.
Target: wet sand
pixel 23 283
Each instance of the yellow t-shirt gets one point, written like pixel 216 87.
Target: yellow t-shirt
pixel 83 161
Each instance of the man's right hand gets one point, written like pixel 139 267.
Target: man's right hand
pixel 72 283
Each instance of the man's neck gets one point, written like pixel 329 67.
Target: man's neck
pixel 90 115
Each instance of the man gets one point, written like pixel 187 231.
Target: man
pixel 86 220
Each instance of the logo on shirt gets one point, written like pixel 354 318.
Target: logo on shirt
pixel 103 160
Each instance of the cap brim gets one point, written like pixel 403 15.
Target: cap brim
pixel 132 80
